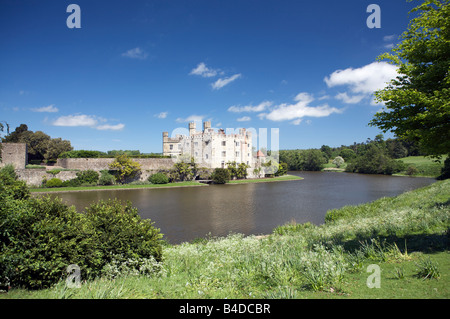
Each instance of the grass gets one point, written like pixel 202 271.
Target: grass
pixel 267 179
pixel 108 187
pixel 406 237
pixel 424 166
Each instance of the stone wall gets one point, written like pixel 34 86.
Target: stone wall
pixel 14 153
pixel 98 164
pixel 34 177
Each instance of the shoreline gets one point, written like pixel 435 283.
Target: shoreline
pixel 284 178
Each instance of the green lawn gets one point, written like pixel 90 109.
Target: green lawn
pixel 126 186
pixel 406 237
pixel 425 166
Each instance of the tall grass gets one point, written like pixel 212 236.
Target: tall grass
pixel 295 259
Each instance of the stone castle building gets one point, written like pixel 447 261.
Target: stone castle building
pixel 210 148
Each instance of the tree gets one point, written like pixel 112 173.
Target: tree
pixel 220 176
pixel 417 101
pixel 55 147
pixel 126 168
pixel 338 161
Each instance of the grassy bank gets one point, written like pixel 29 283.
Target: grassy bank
pixel 406 236
pixel 423 166
pixel 109 187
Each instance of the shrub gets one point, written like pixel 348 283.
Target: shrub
pixel 411 170
pixel 122 232
pixel 158 178
pixel 106 178
pixel 41 237
pixel 54 182
pixel 88 177
pixel 220 176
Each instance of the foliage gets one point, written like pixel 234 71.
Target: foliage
pixel 40 145
pixel 88 177
pixel 282 169
pixel 220 175
pixel 303 160
pixel 236 170
pixel 338 161
pixel 375 161
pixel 41 236
pixel 81 154
pixel 54 182
pixel 126 168
pixel 417 102
pixel 123 232
pixel 106 178
pixel 445 171
pixel 10 185
pixel 158 178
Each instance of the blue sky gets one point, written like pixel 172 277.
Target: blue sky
pixel 137 68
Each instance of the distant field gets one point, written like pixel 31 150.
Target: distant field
pixel 425 166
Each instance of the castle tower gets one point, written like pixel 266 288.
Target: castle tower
pixel 206 126
pixel 191 128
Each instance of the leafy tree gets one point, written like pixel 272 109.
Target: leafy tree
pixel 242 170
pixel 338 161
pixel 126 168
pixel 417 101
pixel 220 175
pixel 55 147
pixel 282 169
pixel 313 160
pixel 347 154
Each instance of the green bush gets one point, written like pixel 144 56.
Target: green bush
pixel 122 232
pixel 106 178
pixel 41 237
pixel 54 182
pixel 88 177
pixel 158 178
pixel 220 175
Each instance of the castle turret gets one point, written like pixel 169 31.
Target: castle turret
pixel 191 128
pixel 206 126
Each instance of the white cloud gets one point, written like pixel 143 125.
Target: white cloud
pixel 366 80
pixel 299 110
pixel 108 127
pixel 50 109
pixel 220 83
pixel 162 115
pixel 191 118
pixel 87 121
pixel 76 120
pixel 244 119
pixel 250 108
pixel 349 99
pixel 136 53
pixel 204 71
pixel 389 38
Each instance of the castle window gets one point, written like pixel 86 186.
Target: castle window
pixel 224 154
pixel 237 154
pixel 171 146
pixel 237 143
pixel 224 143
pixel 206 156
pixel 196 144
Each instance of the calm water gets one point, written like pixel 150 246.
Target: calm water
pixel 183 214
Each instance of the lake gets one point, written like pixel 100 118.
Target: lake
pixel 187 213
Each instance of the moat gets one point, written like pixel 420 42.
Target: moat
pixel 184 214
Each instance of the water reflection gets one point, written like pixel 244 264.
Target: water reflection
pixel 183 214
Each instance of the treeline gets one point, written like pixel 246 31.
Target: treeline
pixel 377 156
pixel 41 147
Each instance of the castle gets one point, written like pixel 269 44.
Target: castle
pixel 210 148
